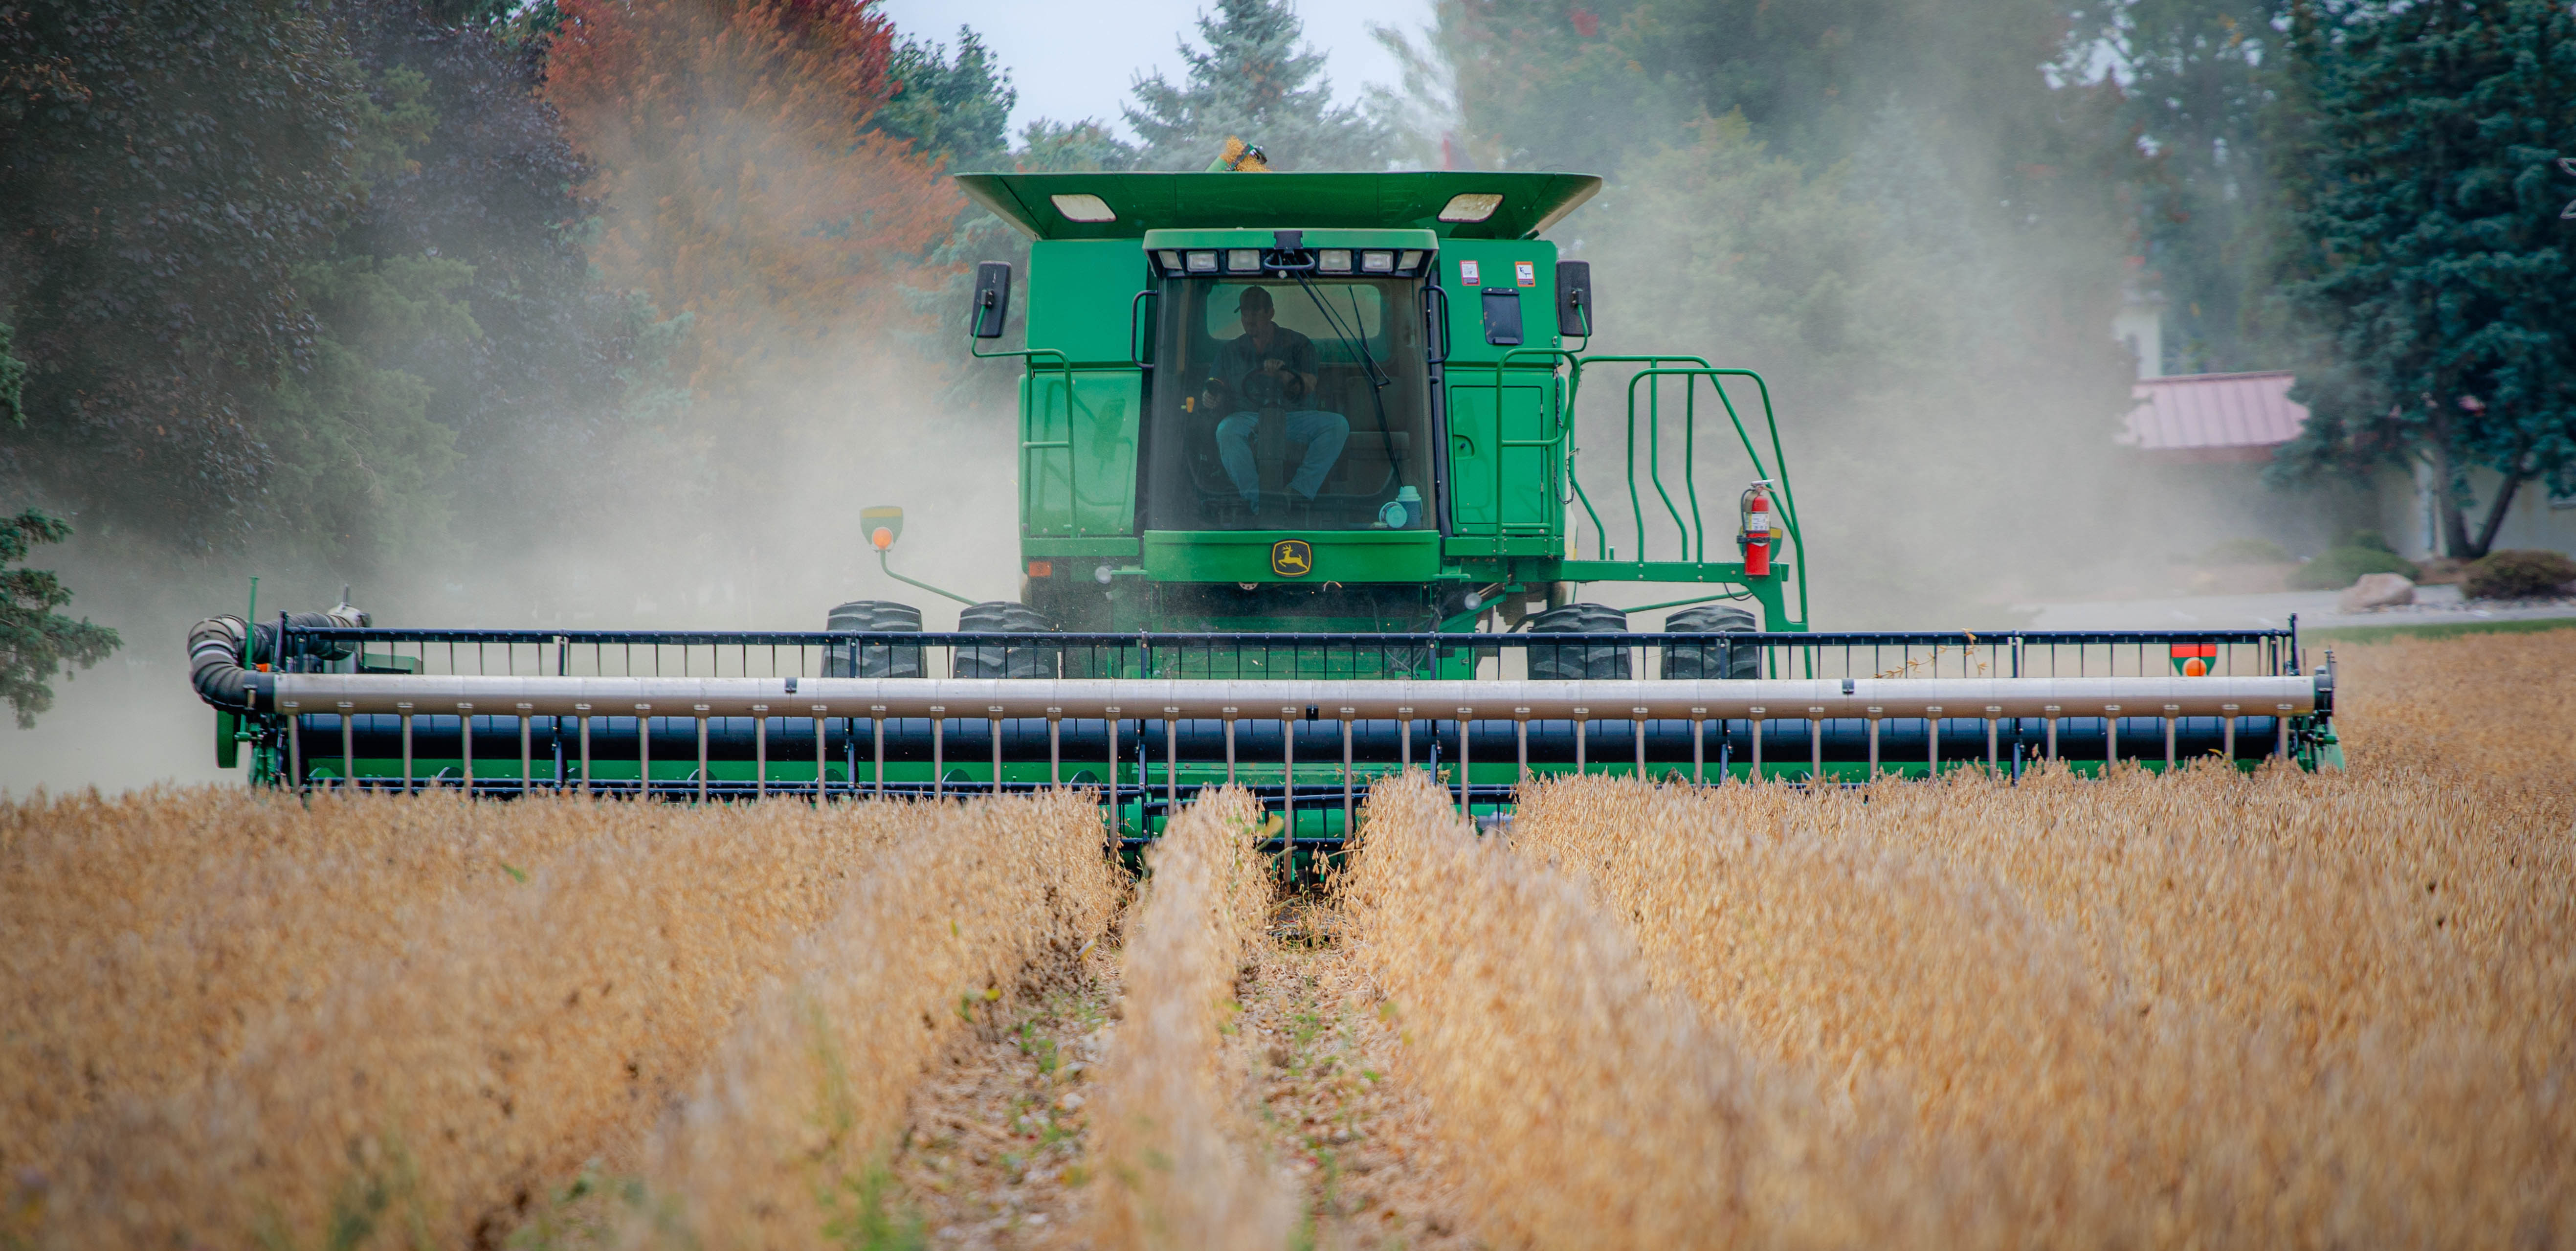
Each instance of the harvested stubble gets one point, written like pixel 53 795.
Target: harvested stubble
pixel 1174 1166
pixel 784 1142
pixel 2291 1009
pixel 404 1016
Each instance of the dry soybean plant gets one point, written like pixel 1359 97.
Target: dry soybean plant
pixel 1176 1173
pixel 1588 1109
pixel 143 937
pixel 2497 709
pixel 782 1143
pixel 2288 1009
pixel 571 968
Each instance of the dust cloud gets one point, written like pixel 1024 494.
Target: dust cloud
pixel 1947 393
pixel 1947 390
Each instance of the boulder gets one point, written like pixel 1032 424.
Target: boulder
pixel 2377 590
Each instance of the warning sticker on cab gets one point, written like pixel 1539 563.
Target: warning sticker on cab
pixel 1467 274
pixel 1525 273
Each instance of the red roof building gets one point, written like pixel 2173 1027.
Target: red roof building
pixel 2213 418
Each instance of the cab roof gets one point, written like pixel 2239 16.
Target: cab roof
pixel 1531 202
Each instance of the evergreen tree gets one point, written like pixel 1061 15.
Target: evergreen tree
pixel 958 111
pixel 1255 80
pixel 1086 146
pixel 34 639
pixel 2439 272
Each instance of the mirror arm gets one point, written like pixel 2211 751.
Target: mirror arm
pixel 889 572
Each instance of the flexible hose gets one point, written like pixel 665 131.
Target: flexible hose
pixel 215 656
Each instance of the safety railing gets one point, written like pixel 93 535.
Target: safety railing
pixel 1691 535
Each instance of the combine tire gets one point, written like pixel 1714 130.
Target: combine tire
pixel 990 660
pixel 1573 661
pixel 873 660
pixel 1712 659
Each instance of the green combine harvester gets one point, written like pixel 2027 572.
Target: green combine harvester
pixel 1304 499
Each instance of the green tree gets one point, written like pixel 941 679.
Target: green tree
pixel 2438 273
pixel 1253 79
pixel 165 165
pixel 34 639
pixel 1086 146
pixel 302 332
pixel 2202 93
pixel 958 111
pixel 13 379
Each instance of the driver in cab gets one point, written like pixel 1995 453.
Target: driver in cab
pixel 1270 367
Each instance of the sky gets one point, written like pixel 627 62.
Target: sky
pixel 1076 61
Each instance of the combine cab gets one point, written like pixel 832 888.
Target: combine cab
pixel 1299 505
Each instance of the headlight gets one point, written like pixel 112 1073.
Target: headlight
pixel 1243 260
pixel 1171 261
pixel 1377 262
pixel 1202 262
pixel 1334 260
pixel 1408 261
pixel 1083 208
pixel 1470 207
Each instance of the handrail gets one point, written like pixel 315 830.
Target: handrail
pixel 1136 354
pixel 1064 363
pixel 1564 427
pixel 1655 460
pixel 1573 394
pixel 1716 376
pixel 1654 407
pixel 1073 406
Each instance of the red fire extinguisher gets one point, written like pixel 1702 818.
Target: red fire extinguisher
pixel 1756 539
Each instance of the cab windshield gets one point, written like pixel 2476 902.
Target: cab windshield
pixel 1288 404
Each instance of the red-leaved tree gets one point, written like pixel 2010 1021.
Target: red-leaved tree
pixel 740 187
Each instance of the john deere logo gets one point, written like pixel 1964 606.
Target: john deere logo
pixel 1292 558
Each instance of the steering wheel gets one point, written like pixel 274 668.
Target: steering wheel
pixel 1262 390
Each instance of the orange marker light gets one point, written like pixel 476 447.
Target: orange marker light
pixel 2194 660
pixel 883 538
pixel 1041 568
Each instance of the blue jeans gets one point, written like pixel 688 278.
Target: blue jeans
pixel 1323 434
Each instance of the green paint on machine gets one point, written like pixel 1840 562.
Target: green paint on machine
pixel 1371 366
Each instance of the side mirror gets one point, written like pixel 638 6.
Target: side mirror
pixel 883 523
pixel 992 299
pixel 1502 317
pixel 1574 298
